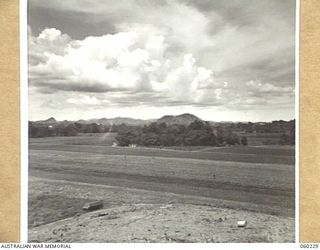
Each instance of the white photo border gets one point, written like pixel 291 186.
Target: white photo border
pixel 23 4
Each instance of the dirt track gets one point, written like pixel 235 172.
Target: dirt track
pixel 282 201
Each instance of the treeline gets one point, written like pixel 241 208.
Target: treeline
pixel 262 127
pixel 68 129
pixel 198 133
pixel 64 129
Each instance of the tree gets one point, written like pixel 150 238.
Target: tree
pixel 123 140
pixel 167 139
pixel 197 138
pixel 128 135
pixel 176 129
pixel 199 133
pixel 31 130
pixel 152 128
pixel 162 127
pixel 196 125
pixel 284 139
pixel 41 131
pixel 244 141
pixel 150 139
pixel 123 136
pixel 220 136
pixel 70 130
pixel 232 139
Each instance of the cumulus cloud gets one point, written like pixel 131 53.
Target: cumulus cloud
pixel 126 61
pixel 257 88
pixel 84 99
pixel 49 41
pixel 136 67
pixel 166 53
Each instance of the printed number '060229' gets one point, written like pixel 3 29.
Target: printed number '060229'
pixel 306 245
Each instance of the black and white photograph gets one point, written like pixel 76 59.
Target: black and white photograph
pixel 162 121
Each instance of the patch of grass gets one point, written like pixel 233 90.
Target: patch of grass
pixel 214 155
pixel 45 208
pixel 104 139
pixel 269 151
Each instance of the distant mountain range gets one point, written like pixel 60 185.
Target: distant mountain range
pixel 184 119
pixel 48 121
pixel 117 121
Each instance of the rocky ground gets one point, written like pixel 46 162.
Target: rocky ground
pixel 166 223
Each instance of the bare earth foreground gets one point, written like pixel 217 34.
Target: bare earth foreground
pixel 158 195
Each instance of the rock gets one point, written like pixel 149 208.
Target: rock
pixel 102 214
pixel 90 206
pixel 166 206
pixel 242 223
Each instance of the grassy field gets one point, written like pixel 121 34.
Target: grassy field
pixel 67 172
pixel 105 139
pixel 101 144
pixel 259 139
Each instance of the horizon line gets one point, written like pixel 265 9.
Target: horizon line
pixel 150 119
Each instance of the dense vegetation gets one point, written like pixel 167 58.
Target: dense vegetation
pixel 159 133
pixel 196 134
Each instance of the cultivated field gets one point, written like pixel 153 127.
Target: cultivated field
pixel 158 194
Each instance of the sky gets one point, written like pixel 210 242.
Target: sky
pixel 220 60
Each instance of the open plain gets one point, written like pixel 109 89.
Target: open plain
pixel 158 194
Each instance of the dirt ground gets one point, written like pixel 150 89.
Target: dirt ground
pixel 159 195
pixel 134 215
pixel 166 223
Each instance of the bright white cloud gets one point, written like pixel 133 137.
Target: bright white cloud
pixel 119 62
pixel 170 53
pixel 49 41
pixel 258 87
pixel 84 99
pixel 129 68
